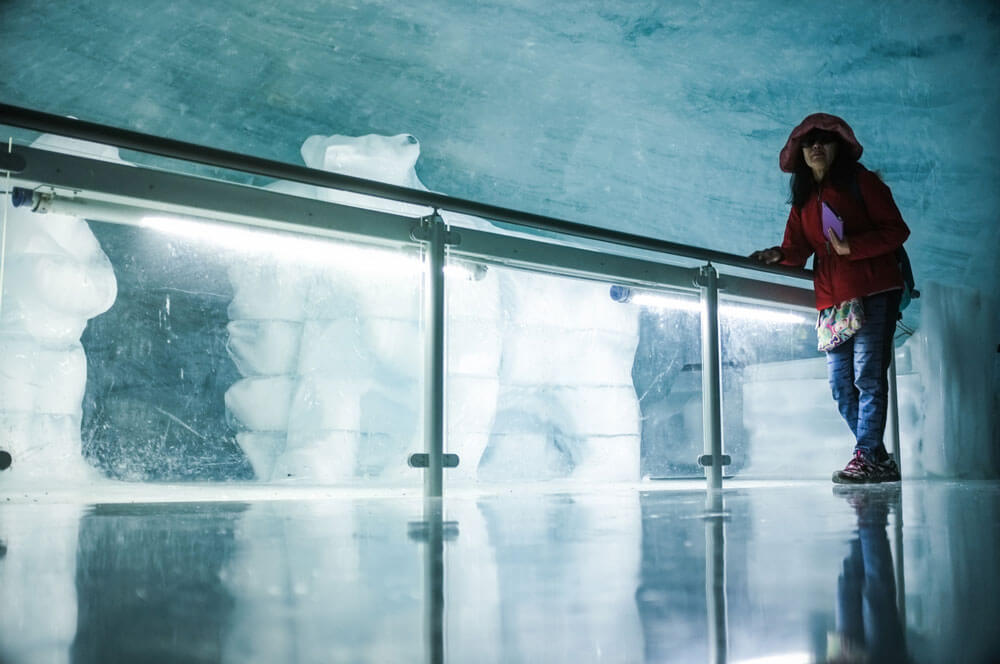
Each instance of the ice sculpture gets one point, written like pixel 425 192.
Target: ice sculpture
pixel 56 278
pixel 331 353
pixel 567 403
pixel 954 355
pixel 332 359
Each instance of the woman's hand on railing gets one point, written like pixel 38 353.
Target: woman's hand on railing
pixel 768 256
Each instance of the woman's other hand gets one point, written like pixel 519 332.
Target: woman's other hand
pixel 768 256
pixel 840 246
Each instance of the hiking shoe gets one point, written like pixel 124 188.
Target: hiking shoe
pixel 862 469
pixel 888 470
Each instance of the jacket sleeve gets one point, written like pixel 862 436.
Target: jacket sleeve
pixel 888 231
pixel 795 248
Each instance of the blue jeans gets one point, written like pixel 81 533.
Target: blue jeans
pixel 858 371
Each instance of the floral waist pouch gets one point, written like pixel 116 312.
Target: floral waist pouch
pixel 837 324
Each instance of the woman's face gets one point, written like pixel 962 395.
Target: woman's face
pixel 819 149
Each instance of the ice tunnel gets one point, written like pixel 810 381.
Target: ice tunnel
pixel 427 333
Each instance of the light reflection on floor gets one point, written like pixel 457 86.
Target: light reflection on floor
pixel 777 572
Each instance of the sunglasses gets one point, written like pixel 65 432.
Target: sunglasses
pixel 817 136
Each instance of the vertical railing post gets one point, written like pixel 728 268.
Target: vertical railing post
pixel 713 459
pixel 894 411
pixel 434 357
pixel 435 235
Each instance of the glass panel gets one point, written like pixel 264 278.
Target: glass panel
pixel 539 377
pixel 667 376
pixel 179 350
pixel 772 375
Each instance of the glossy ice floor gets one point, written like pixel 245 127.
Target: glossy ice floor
pixel 658 572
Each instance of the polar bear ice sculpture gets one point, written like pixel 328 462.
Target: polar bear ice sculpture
pixel 567 404
pixel 332 357
pixel 57 277
pixel 331 354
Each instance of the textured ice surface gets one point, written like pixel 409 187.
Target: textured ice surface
pixel 955 356
pixel 658 118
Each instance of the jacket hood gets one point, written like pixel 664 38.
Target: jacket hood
pixel 790 154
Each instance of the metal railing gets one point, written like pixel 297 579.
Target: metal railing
pixel 76 185
pixel 23 118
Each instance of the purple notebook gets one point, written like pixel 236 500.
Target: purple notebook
pixel 831 220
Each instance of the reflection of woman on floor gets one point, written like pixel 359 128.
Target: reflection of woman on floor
pixel 867 617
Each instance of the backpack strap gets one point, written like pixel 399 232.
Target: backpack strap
pixel 902 259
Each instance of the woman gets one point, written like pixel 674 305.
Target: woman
pixel 856 274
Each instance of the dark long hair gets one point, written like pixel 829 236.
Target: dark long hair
pixel 802 184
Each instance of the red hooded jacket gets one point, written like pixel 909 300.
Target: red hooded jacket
pixel 873 227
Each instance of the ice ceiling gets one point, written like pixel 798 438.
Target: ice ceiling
pixel 660 118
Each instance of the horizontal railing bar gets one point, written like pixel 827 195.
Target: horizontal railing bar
pixel 107 191
pixel 753 289
pixel 186 195
pixel 16 116
pixel 518 252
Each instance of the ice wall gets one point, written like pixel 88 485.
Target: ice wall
pixel 56 279
pixel 657 118
pixel 955 354
pixel 661 119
